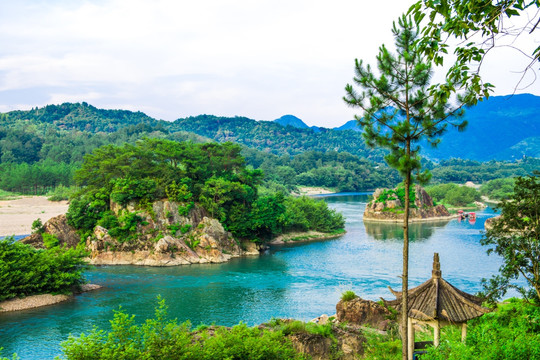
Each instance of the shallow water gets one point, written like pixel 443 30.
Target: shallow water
pixel 301 281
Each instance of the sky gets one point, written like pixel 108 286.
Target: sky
pixel 174 58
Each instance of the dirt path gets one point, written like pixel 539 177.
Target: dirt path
pixel 16 216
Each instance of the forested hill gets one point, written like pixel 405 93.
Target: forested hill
pixel 272 137
pixel 85 117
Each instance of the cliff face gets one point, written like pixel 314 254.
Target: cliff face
pixel 393 211
pixel 163 238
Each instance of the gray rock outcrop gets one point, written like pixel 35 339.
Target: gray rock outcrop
pixel 392 209
pixel 163 238
pixel 59 227
pixel 363 313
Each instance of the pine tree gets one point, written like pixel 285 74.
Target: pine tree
pixel 400 110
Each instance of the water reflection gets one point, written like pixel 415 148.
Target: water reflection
pixel 290 281
pixel 419 231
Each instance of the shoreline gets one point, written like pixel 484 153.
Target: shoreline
pixel 35 301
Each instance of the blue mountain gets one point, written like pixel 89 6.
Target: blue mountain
pixel 349 125
pixel 500 128
pixel 291 120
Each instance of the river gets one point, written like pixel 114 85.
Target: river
pixel 299 281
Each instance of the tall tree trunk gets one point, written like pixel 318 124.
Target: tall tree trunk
pixel 405 275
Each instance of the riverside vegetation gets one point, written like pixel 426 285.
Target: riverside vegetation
pixel 211 175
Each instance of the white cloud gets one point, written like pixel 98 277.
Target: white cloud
pixel 260 59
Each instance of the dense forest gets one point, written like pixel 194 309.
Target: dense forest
pixel 41 149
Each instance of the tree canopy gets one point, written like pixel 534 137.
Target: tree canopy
pixel 479 26
pixel 210 174
pixel 515 236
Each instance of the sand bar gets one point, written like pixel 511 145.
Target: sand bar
pixel 16 216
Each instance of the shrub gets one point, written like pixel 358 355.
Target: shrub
pixel 37 226
pixel 50 241
pixel 348 295
pixel 60 193
pixel 512 332
pixel 26 271
pixel 159 338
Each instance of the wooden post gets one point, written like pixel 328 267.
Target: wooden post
pixel 410 336
pixel 463 332
pixel 436 333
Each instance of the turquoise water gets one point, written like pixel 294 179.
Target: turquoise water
pixel 301 281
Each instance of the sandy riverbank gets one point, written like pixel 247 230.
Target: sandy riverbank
pixel 307 190
pixel 35 301
pixel 16 216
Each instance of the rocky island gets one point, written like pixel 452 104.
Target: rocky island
pixel 163 203
pixel 163 238
pixel 387 206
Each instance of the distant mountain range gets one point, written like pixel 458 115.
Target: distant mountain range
pixel 500 128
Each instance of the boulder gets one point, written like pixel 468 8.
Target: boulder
pixel 364 313
pixel 58 227
pixel 347 344
pixel 422 199
pixel 317 347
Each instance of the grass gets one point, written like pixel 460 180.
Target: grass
pixel 7 195
pixel 348 295
pixel 288 327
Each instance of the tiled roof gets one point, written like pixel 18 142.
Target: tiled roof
pixel 438 299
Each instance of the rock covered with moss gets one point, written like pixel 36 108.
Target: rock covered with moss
pixel 364 313
pixel 161 234
pixel 388 205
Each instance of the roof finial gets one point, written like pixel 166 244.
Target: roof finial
pixel 436 273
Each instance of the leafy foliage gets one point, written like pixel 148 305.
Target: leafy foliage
pixel 515 237
pixel 460 19
pixel 26 271
pixel 37 226
pixel 498 189
pixel 512 332
pixel 213 175
pixel 159 338
pixel 348 295
pixel 453 194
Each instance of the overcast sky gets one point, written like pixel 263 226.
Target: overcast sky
pixel 173 58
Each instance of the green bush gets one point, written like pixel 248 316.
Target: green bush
pixel 348 295
pixel 37 226
pixel 511 333
pixel 124 190
pixel 397 193
pixel 50 241
pixel 498 189
pixel 304 213
pixel 453 194
pixel 159 338
pixel 60 193
pixel 26 271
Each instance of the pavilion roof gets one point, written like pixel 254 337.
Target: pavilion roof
pixel 437 299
